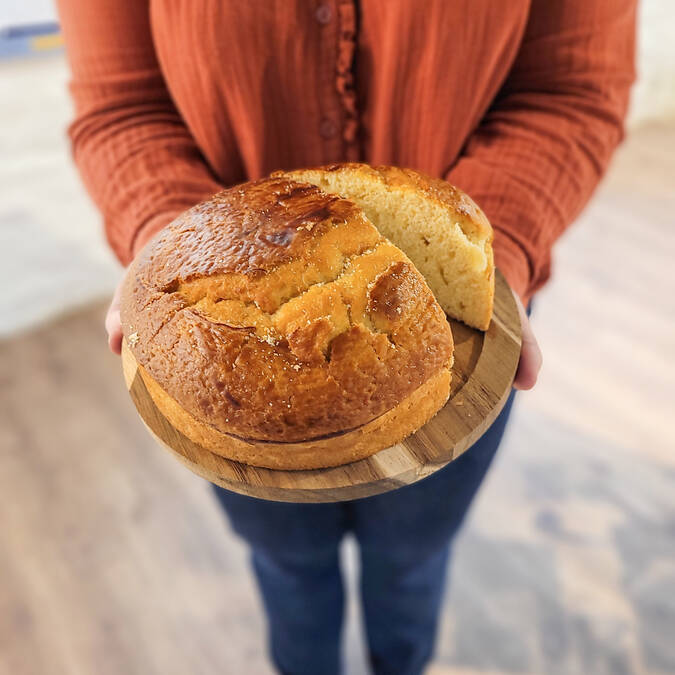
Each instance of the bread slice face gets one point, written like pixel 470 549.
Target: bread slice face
pixel 443 232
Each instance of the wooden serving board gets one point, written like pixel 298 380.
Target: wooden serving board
pixel 484 368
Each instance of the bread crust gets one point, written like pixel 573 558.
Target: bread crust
pixel 277 313
pixel 348 446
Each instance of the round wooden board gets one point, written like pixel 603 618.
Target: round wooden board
pixel 484 368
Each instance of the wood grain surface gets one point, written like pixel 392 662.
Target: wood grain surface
pixel 485 364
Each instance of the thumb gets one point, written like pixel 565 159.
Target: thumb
pixel 531 358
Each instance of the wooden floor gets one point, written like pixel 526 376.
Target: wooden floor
pixel 115 559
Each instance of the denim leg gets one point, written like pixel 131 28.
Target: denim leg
pixel 404 537
pixel 401 603
pixel 294 552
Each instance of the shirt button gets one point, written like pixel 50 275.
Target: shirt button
pixel 323 14
pixel 327 128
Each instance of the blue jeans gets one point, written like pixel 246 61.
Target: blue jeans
pixel 404 541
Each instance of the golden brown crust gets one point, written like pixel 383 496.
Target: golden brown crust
pixel 349 446
pixel 248 229
pixel 277 312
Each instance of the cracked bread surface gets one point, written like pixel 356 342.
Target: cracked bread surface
pixel 277 313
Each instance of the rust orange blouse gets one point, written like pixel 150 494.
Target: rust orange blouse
pixel 519 103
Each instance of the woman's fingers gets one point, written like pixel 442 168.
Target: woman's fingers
pixel 113 324
pixel 530 354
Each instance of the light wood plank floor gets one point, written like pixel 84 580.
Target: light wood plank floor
pixel 114 558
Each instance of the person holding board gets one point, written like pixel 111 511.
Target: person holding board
pixel 519 104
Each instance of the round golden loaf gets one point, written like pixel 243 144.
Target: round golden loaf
pixel 274 325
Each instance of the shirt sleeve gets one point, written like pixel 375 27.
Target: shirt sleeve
pixel 542 147
pixel 138 160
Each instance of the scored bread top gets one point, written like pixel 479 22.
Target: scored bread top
pixel 276 311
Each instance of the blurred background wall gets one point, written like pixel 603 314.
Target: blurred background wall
pixel 654 94
pixel 114 558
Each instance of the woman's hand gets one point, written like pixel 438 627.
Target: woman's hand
pixel 530 354
pixel 112 321
pixel 526 375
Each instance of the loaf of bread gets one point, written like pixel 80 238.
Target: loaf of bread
pixel 276 326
